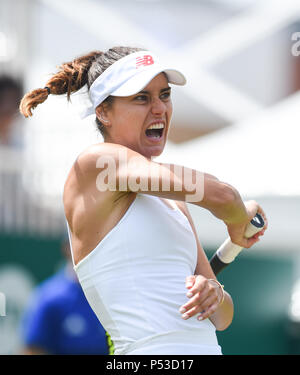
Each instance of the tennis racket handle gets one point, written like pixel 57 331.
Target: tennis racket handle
pixel 228 251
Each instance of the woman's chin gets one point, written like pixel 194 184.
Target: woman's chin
pixel 154 152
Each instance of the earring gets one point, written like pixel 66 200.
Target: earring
pixel 102 119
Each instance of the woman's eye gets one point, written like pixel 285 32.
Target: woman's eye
pixel 166 95
pixel 141 97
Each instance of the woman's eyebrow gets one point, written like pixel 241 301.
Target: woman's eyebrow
pixel 162 90
pixel 166 89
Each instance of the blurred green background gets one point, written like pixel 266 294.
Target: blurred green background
pixel 261 290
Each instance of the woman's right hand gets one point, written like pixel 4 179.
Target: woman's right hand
pixel 236 231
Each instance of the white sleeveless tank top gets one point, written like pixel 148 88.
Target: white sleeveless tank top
pixel 134 280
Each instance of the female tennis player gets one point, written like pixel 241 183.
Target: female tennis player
pixel 134 245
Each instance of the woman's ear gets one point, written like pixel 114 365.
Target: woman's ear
pixel 101 113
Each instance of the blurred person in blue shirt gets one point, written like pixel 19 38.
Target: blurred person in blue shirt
pixel 59 320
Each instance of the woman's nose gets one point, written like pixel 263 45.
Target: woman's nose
pixel 158 107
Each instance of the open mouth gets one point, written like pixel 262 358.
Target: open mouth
pixel 155 131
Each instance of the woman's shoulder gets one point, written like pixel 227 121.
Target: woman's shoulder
pixel 82 177
pixel 111 151
pixel 88 159
pixel 100 149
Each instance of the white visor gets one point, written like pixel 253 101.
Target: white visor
pixel 128 76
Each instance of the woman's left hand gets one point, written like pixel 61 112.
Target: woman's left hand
pixel 205 297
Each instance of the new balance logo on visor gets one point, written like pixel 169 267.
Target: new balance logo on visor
pixel 144 61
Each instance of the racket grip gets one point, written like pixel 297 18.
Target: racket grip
pixel 216 264
pixel 228 251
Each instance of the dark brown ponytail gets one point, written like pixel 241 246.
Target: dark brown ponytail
pixel 71 77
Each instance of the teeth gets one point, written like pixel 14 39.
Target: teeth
pixel 156 126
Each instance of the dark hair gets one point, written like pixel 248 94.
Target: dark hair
pixel 72 76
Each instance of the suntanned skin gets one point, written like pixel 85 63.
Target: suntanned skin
pixel 91 213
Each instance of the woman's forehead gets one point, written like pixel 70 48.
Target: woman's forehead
pixel 159 80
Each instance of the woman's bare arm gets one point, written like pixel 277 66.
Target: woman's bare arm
pixel 119 169
pixel 222 316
